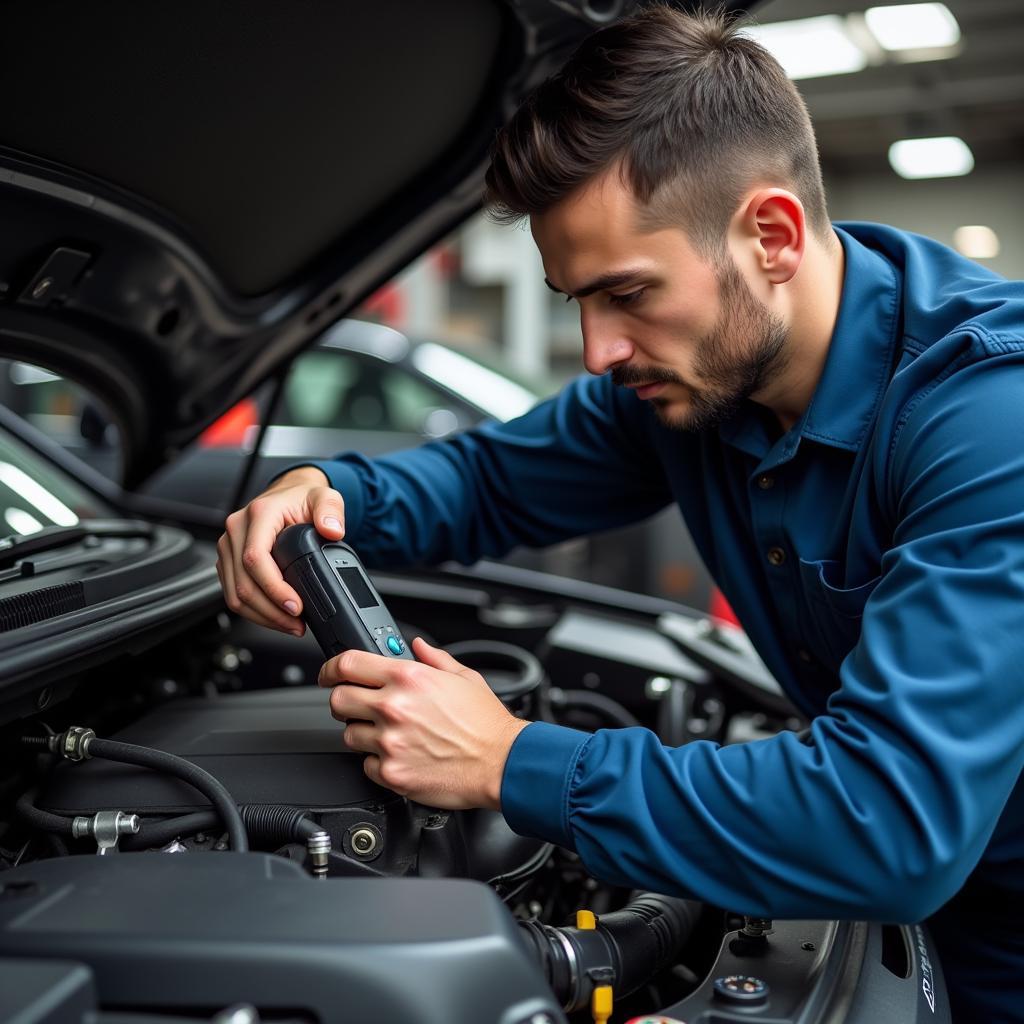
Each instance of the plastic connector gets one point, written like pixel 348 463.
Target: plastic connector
pixel 602 1003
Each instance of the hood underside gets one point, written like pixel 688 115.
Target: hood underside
pixel 190 192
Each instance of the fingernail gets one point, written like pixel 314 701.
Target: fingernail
pixel 332 523
pixel 292 607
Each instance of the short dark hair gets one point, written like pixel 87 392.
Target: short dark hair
pixel 691 111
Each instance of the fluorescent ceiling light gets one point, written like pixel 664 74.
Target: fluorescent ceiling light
pixel 944 157
pixel 36 495
pixel 976 241
pixel 22 522
pixel 810 47
pixel 913 26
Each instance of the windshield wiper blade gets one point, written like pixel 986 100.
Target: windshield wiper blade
pixel 16 547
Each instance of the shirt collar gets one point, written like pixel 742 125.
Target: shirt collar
pixel 856 369
pixel 859 360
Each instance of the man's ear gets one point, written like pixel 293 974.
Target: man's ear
pixel 771 222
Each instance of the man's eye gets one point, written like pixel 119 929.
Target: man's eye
pixel 626 299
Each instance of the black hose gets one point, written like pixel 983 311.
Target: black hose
pixel 159 760
pixel 263 824
pixel 626 949
pixel 277 824
pixel 597 702
pixel 44 820
pixel 160 831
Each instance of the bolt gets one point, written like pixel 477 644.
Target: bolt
pixel 201 837
pixel 42 287
pixel 741 988
pixel 221 844
pixel 364 842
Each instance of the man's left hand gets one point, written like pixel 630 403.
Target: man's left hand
pixel 432 729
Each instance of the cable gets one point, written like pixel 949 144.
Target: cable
pixel 199 778
pixel 597 702
pixel 527 869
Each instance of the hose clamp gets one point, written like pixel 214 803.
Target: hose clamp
pixel 572 961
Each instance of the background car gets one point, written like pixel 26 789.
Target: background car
pixel 363 387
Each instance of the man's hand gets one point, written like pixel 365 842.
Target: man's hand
pixel 252 583
pixel 433 730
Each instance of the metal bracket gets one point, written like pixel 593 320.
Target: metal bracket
pixel 106 827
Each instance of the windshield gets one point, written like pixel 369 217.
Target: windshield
pixel 493 392
pixel 35 494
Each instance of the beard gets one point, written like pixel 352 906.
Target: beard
pixel 738 357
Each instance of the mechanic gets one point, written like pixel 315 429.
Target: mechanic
pixel 838 412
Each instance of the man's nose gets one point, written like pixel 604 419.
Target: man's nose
pixel 604 345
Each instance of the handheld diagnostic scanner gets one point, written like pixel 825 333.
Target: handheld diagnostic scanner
pixel 339 603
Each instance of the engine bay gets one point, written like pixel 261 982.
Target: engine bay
pixel 331 898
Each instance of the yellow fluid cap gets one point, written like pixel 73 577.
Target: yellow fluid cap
pixel 586 919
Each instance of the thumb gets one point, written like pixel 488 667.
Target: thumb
pixel 328 514
pixel 436 658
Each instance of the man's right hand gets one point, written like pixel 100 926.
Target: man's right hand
pixel 252 583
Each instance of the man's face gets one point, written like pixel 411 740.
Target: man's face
pixel 684 333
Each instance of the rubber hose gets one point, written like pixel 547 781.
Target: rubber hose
pixel 26 808
pixel 277 824
pixel 629 946
pixel 159 760
pixel 610 709
pixel 160 831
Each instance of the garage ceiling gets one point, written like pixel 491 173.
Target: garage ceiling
pixel 978 95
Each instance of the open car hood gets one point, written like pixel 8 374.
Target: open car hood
pixel 191 192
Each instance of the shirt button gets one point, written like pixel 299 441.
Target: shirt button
pixel 804 655
pixel 776 556
pixel 766 481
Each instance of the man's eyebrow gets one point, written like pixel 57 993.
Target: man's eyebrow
pixel 603 283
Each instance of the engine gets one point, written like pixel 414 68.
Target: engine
pixel 350 902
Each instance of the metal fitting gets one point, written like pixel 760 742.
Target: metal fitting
pixel 365 840
pixel 318 846
pixel 106 827
pixel 74 743
pixel 757 927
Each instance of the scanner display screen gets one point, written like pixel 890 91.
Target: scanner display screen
pixel 358 588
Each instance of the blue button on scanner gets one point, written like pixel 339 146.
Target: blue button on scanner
pixel 395 645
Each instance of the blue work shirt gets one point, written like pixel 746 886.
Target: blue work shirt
pixel 874 554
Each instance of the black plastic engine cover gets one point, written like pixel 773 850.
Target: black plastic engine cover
pixel 270 747
pixel 184 933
